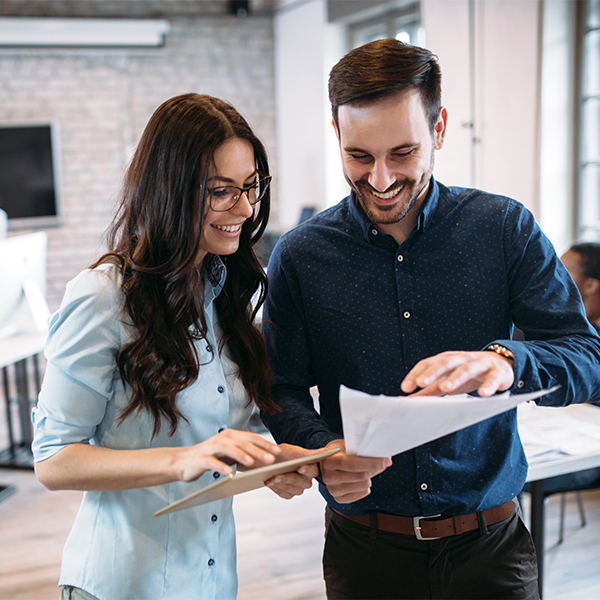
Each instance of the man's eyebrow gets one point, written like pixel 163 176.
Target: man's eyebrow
pixel 406 147
pixel 394 149
pixel 353 149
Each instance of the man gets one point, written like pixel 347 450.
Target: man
pixel 408 286
pixel 583 263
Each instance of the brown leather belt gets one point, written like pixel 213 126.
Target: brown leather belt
pixel 437 526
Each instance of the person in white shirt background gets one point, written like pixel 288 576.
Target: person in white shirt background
pixel 154 364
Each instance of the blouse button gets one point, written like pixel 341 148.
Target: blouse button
pixel 407 315
pixel 211 562
pixel 220 389
pixel 208 348
pixel 214 518
pixel 521 383
pixel 400 258
pixel 423 486
pixel 374 231
pixel 216 475
pixel 221 429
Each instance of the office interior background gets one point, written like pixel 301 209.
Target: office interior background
pixel 521 81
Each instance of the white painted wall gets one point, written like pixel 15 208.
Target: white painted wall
pixel 506 93
pixel 299 30
pixel 556 192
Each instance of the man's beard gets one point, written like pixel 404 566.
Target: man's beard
pixel 393 213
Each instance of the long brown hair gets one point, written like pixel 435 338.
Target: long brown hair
pixel 155 239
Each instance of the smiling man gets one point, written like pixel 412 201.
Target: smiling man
pixel 408 286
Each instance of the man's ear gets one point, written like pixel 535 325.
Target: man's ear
pixel 337 133
pixel 591 287
pixel 439 131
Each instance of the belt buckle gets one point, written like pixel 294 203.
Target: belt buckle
pixel 417 527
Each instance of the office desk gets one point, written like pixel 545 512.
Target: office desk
pixel 559 465
pixel 19 352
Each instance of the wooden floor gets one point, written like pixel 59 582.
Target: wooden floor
pixel 279 544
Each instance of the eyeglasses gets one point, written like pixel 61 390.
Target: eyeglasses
pixel 224 198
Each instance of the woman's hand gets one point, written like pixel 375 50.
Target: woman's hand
pixel 94 468
pixel 224 449
pixel 293 484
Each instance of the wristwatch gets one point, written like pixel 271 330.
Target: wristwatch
pixel 501 350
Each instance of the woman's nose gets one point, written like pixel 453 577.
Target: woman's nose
pixel 243 206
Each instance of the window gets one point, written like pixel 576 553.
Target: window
pixel 403 24
pixel 588 162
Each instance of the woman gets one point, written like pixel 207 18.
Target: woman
pixel 154 361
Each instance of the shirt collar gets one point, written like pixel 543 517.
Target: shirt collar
pixel 424 221
pixel 215 274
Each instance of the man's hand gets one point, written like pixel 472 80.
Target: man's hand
pixel 293 484
pixel 460 373
pixel 347 477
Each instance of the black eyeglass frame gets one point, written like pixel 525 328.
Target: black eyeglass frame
pixel 264 180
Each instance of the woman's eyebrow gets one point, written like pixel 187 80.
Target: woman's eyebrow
pixel 229 179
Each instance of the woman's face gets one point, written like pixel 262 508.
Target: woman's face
pixel 233 164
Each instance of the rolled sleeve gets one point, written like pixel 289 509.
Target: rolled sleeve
pixel 83 341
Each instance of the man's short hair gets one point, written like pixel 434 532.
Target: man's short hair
pixel 383 68
pixel 589 253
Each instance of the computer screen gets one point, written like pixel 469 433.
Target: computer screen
pixel 29 190
pixel 23 275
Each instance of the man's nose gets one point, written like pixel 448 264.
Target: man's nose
pixel 381 177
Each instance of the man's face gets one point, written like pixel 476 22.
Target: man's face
pixel 387 154
pixel 572 261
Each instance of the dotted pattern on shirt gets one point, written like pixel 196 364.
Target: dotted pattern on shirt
pixel 351 307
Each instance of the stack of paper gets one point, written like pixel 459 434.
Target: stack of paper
pixel 548 433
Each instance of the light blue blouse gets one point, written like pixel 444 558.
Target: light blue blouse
pixel 117 549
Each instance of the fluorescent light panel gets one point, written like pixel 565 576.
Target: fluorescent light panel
pixel 31 32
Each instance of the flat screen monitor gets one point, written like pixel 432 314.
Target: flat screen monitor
pixel 29 181
pixel 23 307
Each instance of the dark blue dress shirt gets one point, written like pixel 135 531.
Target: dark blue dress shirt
pixel 348 305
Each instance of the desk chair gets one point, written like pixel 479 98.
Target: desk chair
pixel 573 482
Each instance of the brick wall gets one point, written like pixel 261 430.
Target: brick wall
pixel 102 99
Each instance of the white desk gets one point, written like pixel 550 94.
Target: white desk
pixel 560 465
pixel 15 351
pixel 18 347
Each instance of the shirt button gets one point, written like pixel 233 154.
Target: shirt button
pixel 211 562
pixel 216 475
pixel 400 258
pixel 374 231
pixel 423 486
pixel 214 518
pixel 407 315
pixel 521 383
pixel 208 348
pixel 221 429
pixel 220 389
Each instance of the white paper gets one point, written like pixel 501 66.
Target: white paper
pixel 548 433
pixel 381 426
